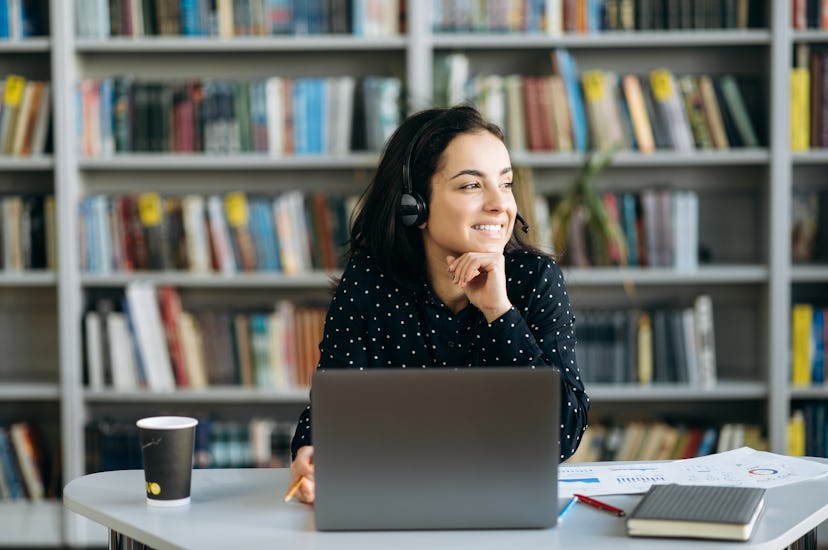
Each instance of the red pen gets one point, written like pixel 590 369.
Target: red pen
pixel 601 505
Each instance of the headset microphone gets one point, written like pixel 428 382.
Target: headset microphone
pixel 523 225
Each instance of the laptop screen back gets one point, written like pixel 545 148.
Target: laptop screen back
pixel 436 448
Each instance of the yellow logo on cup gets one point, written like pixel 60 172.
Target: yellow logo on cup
pixel 153 488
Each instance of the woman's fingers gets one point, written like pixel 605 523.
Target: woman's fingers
pixel 307 491
pixel 470 265
pixel 302 469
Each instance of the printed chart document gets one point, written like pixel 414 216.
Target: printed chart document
pixel 740 467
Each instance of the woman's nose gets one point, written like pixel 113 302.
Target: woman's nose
pixel 497 200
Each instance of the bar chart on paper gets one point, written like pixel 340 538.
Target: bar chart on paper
pixel 739 467
pixel 607 479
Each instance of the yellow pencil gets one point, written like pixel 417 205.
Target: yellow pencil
pixel 293 488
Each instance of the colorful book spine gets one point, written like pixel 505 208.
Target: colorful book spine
pixel 801 334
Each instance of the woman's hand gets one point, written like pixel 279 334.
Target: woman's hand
pixel 482 276
pixel 302 465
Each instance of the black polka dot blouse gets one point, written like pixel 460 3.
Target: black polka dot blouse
pixel 373 323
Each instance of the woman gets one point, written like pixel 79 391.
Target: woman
pixel 437 276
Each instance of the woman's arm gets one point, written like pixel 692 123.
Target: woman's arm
pixel 539 330
pixel 342 344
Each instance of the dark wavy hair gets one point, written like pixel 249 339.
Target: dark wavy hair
pixel 377 227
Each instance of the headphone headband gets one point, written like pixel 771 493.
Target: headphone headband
pixel 413 209
pixel 408 185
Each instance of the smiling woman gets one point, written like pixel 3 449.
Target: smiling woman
pixel 438 277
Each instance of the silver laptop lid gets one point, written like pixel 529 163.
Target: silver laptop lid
pixel 436 448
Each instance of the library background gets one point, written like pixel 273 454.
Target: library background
pixel 176 178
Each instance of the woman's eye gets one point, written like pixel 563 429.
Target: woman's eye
pixel 508 184
pixel 470 185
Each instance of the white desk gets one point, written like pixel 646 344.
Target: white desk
pixel 243 508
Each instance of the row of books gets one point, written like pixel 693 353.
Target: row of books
pixel 809 336
pixel 26 472
pixel 809 98
pixel 27 232
pixel 293 232
pixel 231 18
pixel 658 345
pixel 809 14
pixel 21 19
pixel 809 226
pixel 114 444
pixel 25 108
pixel 275 115
pixel 807 430
pixel 600 109
pixel 659 226
pixel 658 440
pixel 586 16
pixel 147 340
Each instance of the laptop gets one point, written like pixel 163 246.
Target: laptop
pixel 466 448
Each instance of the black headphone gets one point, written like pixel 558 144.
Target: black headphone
pixel 413 209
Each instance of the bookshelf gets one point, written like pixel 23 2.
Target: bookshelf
pixel 808 275
pixel 748 189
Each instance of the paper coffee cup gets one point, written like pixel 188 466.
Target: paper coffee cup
pixel 167 453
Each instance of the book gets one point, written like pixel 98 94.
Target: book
pixel 801 346
pixel 633 93
pixel 145 316
pixel 9 467
pixel 193 350
pixel 796 434
pixel 13 91
pixel 170 309
pixel 29 459
pixel 124 375
pixel 668 100
pixel 705 340
pixel 94 350
pixel 738 108
pixel 697 511
pixel 800 107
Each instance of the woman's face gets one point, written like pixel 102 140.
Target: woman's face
pixel 472 208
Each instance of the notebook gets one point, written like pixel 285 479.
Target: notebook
pixel 697 511
pixel 467 448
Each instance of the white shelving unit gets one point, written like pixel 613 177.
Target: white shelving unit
pixel 752 289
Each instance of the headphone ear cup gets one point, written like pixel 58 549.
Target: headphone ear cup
pixel 413 210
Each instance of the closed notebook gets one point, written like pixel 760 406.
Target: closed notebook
pixel 697 511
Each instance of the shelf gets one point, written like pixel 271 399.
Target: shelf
pixel 29 391
pixel 27 278
pixel 811 35
pixel 19 164
pixel 261 161
pixel 200 44
pixel 814 156
pixel 218 395
pixel 723 391
pixel 812 392
pixel 809 273
pixel 642 39
pixel 28 45
pixel 315 279
pixel 25 524
pixel 600 276
pixel 249 161
pixel 733 157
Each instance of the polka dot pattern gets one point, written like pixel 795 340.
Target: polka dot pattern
pixel 374 323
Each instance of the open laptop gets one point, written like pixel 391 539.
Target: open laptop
pixel 466 448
